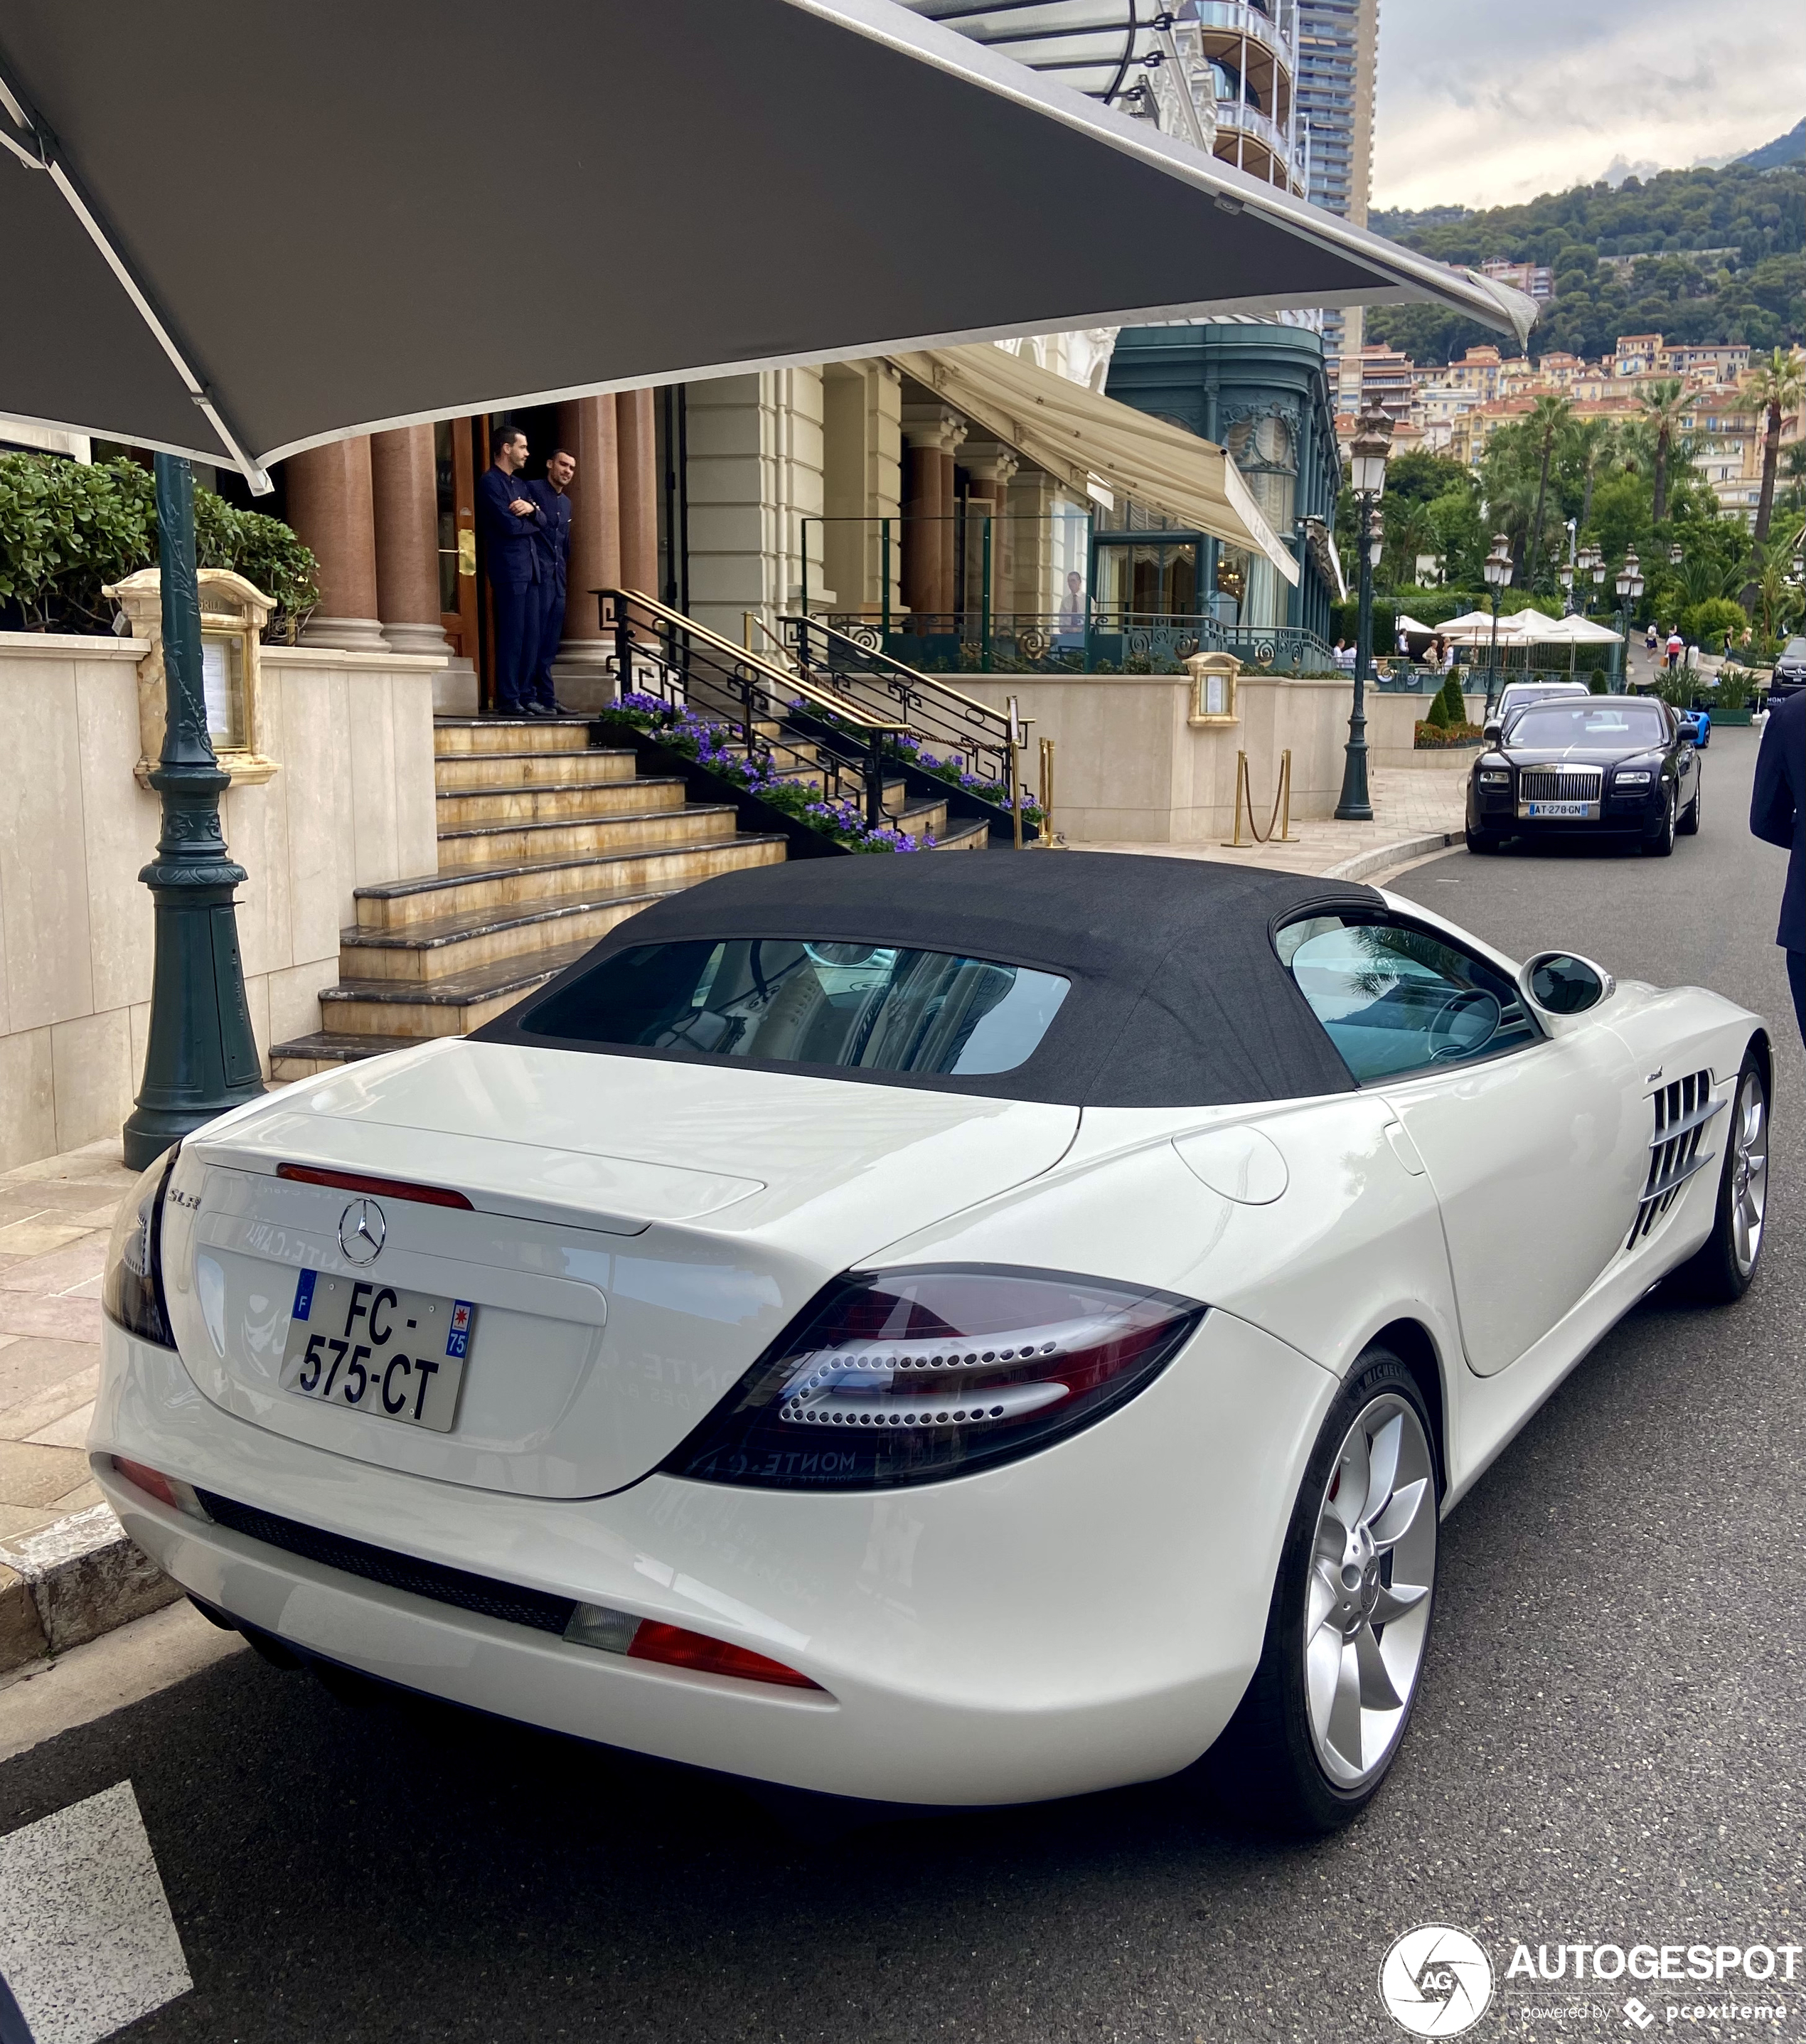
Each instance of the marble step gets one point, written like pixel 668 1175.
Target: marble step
pixel 421 954
pixel 327 1050
pixel 461 735
pixel 562 801
pixel 964 837
pixel 395 905
pixel 567 837
pixel 454 773
pixel 450 1007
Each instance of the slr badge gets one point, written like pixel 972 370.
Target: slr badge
pixel 361 1229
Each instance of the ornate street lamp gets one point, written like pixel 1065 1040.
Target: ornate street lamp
pixel 1367 455
pixel 1676 553
pixel 201 1056
pixel 1564 575
pixel 1593 561
pixel 1629 586
pixel 1497 572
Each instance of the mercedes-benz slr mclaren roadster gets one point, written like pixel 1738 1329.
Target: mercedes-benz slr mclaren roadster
pixel 936 1331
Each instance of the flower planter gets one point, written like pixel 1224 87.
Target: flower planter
pixel 1732 715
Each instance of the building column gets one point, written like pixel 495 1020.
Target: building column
pixel 637 440
pixel 928 513
pixel 331 506
pixel 405 493
pixel 990 469
pixel 587 432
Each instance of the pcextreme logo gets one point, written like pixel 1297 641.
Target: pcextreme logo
pixel 1436 1981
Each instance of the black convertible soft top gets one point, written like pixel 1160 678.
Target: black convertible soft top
pixel 1177 998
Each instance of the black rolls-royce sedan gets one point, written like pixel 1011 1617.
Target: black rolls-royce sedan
pixel 1624 765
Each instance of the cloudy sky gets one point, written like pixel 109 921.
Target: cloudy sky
pixel 1486 104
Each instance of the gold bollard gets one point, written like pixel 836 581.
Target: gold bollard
pixel 1047 838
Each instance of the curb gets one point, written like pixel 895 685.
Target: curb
pixel 72 1581
pixel 1383 855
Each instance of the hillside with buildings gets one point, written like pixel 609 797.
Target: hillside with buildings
pixel 1701 256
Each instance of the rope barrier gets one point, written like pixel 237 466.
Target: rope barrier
pixel 1279 829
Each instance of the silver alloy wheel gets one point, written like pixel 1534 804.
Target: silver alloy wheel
pixel 1367 1614
pixel 1749 1172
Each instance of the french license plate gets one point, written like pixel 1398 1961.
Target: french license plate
pixel 377 1349
pixel 1559 810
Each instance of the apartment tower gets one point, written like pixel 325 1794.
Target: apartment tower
pixel 1338 72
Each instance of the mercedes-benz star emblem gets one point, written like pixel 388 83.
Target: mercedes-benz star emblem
pixel 362 1228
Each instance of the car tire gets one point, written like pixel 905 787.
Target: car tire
pixel 1689 826
pixel 1662 844
pixel 1283 1763
pixel 1722 1269
pixel 1482 841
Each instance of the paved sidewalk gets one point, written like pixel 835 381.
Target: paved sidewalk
pixel 1410 803
pixel 55 1217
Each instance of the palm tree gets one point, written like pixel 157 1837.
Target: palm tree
pixel 1549 419
pixel 1591 444
pixel 1663 407
pixel 1408 533
pixel 1777 387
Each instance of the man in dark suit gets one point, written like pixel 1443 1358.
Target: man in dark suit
pixel 1777 816
pixel 510 521
pixel 553 541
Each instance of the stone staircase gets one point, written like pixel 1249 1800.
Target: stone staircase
pixel 546 842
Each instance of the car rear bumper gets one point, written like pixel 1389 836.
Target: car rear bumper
pixel 1086 1617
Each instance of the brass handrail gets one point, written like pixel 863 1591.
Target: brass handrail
pixel 931 684
pixel 743 656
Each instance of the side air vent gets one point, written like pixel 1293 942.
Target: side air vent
pixel 1683 1110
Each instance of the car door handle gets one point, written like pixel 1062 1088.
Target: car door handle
pixel 1404 1149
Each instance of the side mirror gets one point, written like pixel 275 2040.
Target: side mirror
pixel 1560 985
pixel 1493 732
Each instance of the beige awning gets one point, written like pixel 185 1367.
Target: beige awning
pixel 1075 435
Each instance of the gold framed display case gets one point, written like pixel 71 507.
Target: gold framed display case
pixel 1214 688
pixel 233 614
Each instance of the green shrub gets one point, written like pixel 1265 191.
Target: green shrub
pixel 1437 714
pixel 1453 704
pixel 67 529
pixel 1736 685
pixel 1704 625
pixel 1598 683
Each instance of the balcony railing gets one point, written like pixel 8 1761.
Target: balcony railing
pixel 1112 643
pixel 1220 16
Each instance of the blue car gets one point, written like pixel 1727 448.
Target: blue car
pixel 1699 722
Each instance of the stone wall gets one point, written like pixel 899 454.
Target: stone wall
pixel 352 802
pixel 1130 767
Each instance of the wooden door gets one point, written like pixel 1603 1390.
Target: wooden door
pixel 456 443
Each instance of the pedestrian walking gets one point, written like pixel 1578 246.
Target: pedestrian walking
pixel 1677 646
pixel 551 541
pixel 1777 816
pixel 1344 656
pixel 509 521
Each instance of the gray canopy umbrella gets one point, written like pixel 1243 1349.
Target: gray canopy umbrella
pixel 233 230
pixel 259 221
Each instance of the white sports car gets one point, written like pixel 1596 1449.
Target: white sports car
pixel 940 1330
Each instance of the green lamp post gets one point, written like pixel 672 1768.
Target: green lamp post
pixel 1368 453
pixel 201 1056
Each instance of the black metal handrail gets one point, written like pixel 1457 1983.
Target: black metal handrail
pixel 862 680
pixel 661 652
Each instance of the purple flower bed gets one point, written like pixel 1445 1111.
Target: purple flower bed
pixel 711 745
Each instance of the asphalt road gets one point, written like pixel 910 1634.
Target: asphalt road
pixel 1608 1747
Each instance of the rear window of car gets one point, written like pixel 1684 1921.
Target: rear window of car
pixel 871 1007
pixel 1591 723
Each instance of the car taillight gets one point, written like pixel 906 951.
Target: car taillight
pixel 132 1292
pixel 613 1632
pixel 909 1376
